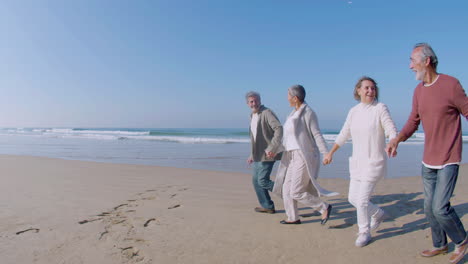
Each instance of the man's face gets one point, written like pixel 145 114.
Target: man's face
pixel 418 64
pixel 253 103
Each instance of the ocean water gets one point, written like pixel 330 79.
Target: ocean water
pixel 210 149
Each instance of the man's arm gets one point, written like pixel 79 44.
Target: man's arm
pixel 460 100
pixel 410 127
pixel 277 128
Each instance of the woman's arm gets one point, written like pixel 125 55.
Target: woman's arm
pixel 315 131
pixel 345 134
pixel 327 158
pixel 387 123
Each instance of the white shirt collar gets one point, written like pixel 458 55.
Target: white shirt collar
pixel 429 84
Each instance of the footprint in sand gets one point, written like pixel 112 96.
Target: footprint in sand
pixel 103 234
pixel 132 253
pixel 121 227
pixel 148 198
pixel 88 221
pixel 121 205
pixel 36 230
pixel 104 214
pixel 149 221
pixel 116 222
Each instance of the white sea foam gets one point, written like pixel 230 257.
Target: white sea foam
pixel 330 137
pixel 198 136
pixel 202 140
pixel 89 136
pixel 416 139
pixel 214 149
pixel 98 132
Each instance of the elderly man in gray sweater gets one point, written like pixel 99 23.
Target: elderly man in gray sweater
pixel 266 134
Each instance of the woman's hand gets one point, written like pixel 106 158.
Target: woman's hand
pixel 327 158
pixel 391 148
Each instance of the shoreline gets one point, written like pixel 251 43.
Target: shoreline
pixel 207 156
pixel 69 211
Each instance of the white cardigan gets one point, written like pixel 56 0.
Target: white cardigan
pixel 311 142
pixel 366 125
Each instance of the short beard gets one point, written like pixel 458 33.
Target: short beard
pixel 420 75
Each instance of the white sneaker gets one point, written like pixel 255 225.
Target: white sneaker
pixel 377 219
pixel 363 239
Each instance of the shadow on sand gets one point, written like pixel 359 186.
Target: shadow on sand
pixel 395 205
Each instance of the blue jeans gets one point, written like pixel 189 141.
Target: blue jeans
pixel 262 183
pixel 439 185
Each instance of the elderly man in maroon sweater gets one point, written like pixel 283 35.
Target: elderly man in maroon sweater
pixel 438 102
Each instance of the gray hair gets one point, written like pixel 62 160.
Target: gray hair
pixel 299 91
pixel 358 85
pixel 428 52
pixel 252 94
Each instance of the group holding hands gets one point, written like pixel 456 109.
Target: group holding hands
pixel 438 102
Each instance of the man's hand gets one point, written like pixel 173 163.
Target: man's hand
pixel 391 148
pixel 270 154
pixel 249 161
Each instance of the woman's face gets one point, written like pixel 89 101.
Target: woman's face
pixel 367 92
pixel 292 100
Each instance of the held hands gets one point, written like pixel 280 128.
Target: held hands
pixel 391 148
pixel 327 158
pixel 268 154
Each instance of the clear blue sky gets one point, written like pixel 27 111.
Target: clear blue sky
pixel 189 63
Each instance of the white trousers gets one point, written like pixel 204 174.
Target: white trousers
pixel 295 187
pixel 359 196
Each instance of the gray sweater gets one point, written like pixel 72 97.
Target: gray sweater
pixel 269 136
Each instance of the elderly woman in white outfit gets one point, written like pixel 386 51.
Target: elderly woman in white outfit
pixel 299 166
pixel 366 124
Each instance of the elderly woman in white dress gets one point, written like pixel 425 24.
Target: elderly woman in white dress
pixel 366 124
pixel 303 142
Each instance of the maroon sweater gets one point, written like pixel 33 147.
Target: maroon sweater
pixel 438 107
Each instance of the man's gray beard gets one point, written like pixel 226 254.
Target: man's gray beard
pixel 420 75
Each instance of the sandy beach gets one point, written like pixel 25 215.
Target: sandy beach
pixel 60 211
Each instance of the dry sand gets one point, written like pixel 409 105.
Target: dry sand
pixel 59 211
